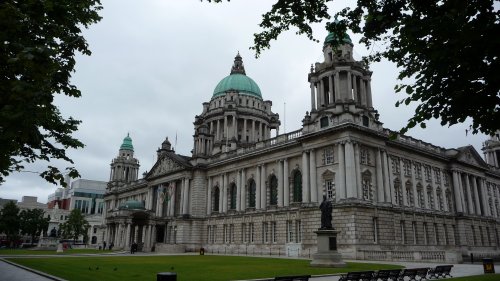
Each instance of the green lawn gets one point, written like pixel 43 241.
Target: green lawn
pixel 4 252
pixel 190 268
pixel 486 277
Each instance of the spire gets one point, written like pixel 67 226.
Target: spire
pixel 238 67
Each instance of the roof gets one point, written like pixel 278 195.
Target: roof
pixel 127 143
pixel 237 82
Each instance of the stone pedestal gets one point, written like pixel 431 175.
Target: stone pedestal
pixel 327 255
pixel 59 248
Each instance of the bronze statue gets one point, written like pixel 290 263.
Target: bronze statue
pixel 326 213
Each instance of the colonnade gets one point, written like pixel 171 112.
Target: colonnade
pixel 123 234
pixel 170 207
pixel 492 158
pixel 227 127
pixel 340 85
pixel 469 190
pixel 126 172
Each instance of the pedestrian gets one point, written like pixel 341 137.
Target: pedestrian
pixel 111 246
pixel 104 246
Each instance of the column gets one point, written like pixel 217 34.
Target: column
pixel 476 195
pixel 369 102
pixel 406 200
pixel 305 178
pixel 320 93
pixel 286 184
pixel 224 193
pixel 495 210
pixel 355 88
pixel 330 86
pixel 263 192
pixel 244 130
pixel 235 124
pixel 484 196
pixel 221 193
pixel 341 177
pixel 243 190
pixel 414 183
pixel 362 90
pixel 434 193
pixel 226 130
pixel 357 172
pixel 426 199
pixel 238 190
pixel 106 235
pixel 127 236
pixel 312 169
pixel 337 86
pixel 252 134
pixel 257 187
pixel 349 86
pixel 182 197
pixel 387 183
pixel 209 196
pixel 280 183
pixel 380 180
pixel 186 196
pixel 217 136
pixel 313 98
pixel 350 179
pixel 469 195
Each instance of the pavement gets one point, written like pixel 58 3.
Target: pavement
pixel 14 272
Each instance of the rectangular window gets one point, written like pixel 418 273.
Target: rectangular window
pixel 365 156
pixel 231 233
pixel 403 232
pixel 417 169
pixel 414 231
pixel 265 233
pixel 225 233
pixel 488 236
pixel 395 165
pixel 298 229
pixel 427 172
pixel 474 238
pixel 375 230
pixel 455 235
pixel 209 234
pixel 244 233
pixel 215 234
pixel 481 235
pixel 330 189
pixel 328 155
pixel 446 238
pixel 436 234
pixel 100 207
pixel 407 167
pixel 289 231
pixel 251 229
pixel 426 234
pixel 274 231
pixel 437 175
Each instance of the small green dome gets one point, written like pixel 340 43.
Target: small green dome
pixel 238 82
pixel 127 143
pixel 331 37
pixel 132 205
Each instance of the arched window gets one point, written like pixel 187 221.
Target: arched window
pixel 367 186
pixel 251 193
pixel 398 195
pixel 216 199
pixel 420 196
pixel 409 193
pixel 273 188
pixel 232 197
pixel 297 186
pixel 449 201
pixel 430 198
pixel 439 199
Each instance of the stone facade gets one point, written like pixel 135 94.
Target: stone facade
pixel 243 191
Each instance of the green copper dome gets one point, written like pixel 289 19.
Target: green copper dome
pixel 132 205
pixel 127 143
pixel 237 81
pixel 331 37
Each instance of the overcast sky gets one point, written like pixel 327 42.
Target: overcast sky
pixel 154 63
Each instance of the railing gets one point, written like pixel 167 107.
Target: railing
pixel 415 142
pixel 404 255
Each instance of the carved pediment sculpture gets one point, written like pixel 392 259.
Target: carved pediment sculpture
pixel 165 166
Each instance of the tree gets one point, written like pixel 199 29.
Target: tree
pixel 9 222
pixel 33 223
pixel 447 51
pixel 75 226
pixel 38 42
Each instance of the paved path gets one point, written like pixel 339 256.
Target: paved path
pixel 14 273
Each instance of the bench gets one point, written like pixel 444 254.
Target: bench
pixel 440 271
pixel 387 275
pixel 293 278
pixel 413 273
pixel 357 276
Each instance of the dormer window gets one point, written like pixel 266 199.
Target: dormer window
pixel 366 122
pixel 323 122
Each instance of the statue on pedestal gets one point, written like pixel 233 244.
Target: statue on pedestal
pixel 326 214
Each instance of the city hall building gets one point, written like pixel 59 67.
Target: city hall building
pixel 245 192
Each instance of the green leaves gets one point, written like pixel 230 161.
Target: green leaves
pixel 75 226
pixel 38 42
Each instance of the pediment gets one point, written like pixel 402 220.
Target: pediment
pixel 470 156
pixel 164 166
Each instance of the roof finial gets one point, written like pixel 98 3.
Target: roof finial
pixel 238 67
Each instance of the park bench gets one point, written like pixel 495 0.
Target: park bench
pixel 293 278
pixel 386 275
pixel 414 273
pixel 440 271
pixel 357 276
